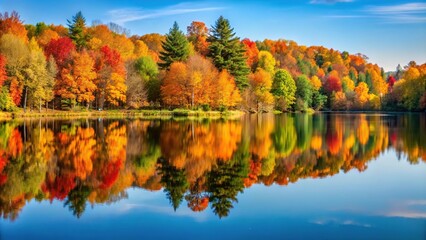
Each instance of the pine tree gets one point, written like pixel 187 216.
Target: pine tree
pixel 227 52
pixel 175 48
pixel 77 30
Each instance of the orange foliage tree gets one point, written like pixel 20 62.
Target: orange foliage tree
pixel 197 34
pixel 11 23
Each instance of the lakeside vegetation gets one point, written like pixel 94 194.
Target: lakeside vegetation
pixel 122 113
pixel 102 67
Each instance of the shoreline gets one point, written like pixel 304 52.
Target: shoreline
pixel 163 114
pixel 143 114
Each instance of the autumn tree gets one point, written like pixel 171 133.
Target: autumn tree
pixel 226 93
pixel 338 101
pixel 61 49
pixel 111 78
pixel 227 52
pixel 154 41
pixel 37 78
pixel 15 50
pixel 197 34
pixel 284 90
pixel 141 49
pixel 332 84
pixel 175 48
pixel 347 84
pixel 6 101
pixel 172 91
pixel 52 71
pixel 12 24
pixel 194 83
pixel 266 62
pixel 261 83
pixel 251 53
pixel 378 83
pixel 136 95
pixel 391 82
pixel 361 97
pixel 3 74
pixel 77 80
pixel 46 36
pixel 77 30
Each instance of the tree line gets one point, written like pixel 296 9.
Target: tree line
pixel 102 67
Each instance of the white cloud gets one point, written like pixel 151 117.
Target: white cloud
pixel 124 15
pixel 399 9
pixel 391 14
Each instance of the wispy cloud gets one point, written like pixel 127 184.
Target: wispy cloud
pixel 390 14
pixel 166 210
pixel 401 13
pixel 329 1
pixel 337 221
pixel 124 15
pixel 408 8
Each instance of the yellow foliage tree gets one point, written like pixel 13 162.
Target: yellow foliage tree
pixel 261 83
pixel 361 94
pixel 316 83
pixel 227 94
pixel 84 76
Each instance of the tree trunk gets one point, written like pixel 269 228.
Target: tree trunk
pixel 25 99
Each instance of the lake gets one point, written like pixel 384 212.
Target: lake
pixel 288 176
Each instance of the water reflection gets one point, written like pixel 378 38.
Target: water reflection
pixel 198 163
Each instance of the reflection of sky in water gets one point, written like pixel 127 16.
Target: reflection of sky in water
pixel 387 201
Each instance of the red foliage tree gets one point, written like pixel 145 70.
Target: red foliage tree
pixel 112 58
pixel 16 91
pixel 60 186
pixel 60 49
pixel 3 74
pixel 391 82
pixel 110 174
pixel 251 52
pixel 333 84
pixel 3 162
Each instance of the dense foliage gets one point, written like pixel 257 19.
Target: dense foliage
pixel 101 66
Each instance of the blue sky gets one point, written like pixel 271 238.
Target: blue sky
pixel 387 31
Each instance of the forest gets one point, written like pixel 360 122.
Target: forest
pixel 101 67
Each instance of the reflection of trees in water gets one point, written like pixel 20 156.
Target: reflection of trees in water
pixel 205 163
pixel 174 182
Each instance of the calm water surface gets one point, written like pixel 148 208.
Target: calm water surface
pixel 322 176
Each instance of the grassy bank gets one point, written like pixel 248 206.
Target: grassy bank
pixel 149 114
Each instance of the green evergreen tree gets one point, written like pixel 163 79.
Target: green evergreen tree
pixel 175 48
pixel 368 80
pixel 352 76
pixel 174 182
pixel 77 199
pixel 77 30
pixel 226 180
pixel 227 52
